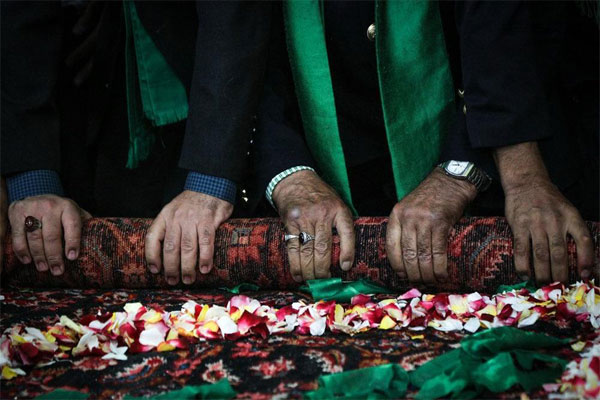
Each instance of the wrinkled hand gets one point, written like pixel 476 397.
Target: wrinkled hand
pixel 540 213
pixel 537 211
pixel 417 231
pixel 3 219
pixel 186 228
pixel 307 204
pixel 61 218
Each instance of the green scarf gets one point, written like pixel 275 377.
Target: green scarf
pixel 414 80
pixel 155 95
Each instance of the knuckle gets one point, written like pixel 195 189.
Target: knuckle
pixel 409 254
pixel 35 235
pixel 306 250
pixel 541 252
pixel 187 245
pixel 51 239
pixel 293 248
pixel 520 247
pixel 321 248
pixel 424 255
pixel 169 246
pixel 558 252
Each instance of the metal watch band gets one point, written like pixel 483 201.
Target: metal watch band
pixel 475 176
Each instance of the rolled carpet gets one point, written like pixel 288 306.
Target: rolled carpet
pixel 253 251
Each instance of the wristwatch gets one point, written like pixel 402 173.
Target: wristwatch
pixel 467 171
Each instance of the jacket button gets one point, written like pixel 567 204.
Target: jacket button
pixel 371 32
pixel 461 93
pixel 465 109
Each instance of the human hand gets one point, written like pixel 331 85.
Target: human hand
pixel 3 219
pixel 307 204
pixel 186 228
pixel 417 231
pixel 60 218
pixel 538 212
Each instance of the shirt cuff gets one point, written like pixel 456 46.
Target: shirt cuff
pixel 221 188
pixel 281 176
pixel 33 183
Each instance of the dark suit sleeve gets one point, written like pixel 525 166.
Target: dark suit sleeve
pixel 278 142
pixel 231 52
pixel 504 92
pixel 31 51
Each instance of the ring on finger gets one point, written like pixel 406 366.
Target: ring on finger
pixel 32 224
pixel 305 237
pixel 288 236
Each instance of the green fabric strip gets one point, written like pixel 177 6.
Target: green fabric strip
pixel 334 289
pixel 529 285
pixel 242 287
pixel 388 381
pixel 416 87
pixel 310 68
pixel 155 95
pixel 504 352
pixel 140 137
pixel 62 394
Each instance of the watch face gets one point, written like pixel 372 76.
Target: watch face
pixel 457 167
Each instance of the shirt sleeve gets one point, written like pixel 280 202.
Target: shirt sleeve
pixel 221 188
pixel 33 183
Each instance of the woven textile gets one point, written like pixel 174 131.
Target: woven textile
pixel 253 250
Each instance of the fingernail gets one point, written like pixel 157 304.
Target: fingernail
pixel 187 279
pixel 153 268
pixel 204 269
pixel 297 278
pixel 56 270
pixel 26 260
pixel 42 266
pixel 72 255
pixel 172 280
pixel 346 265
pixel 585 274
pixel 524 277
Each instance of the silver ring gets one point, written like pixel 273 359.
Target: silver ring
pixel 305 237
pixel 288 236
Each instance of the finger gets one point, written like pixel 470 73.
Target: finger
pixel 439 242
pixel 345 227
pixel 189 253
pixel 541 256
pixel 322 249
pixel 152 248
pixel 206 237
pixel 409 253
pixel 171 253
pixel 424 254
pixel 36 247
pixel 71 222
pixel 293 251
pixel 52 239
pixel 585 249
pixel 558 253
pixel 19 239
pixel 393 246
pixel 521 253
pixel 307 255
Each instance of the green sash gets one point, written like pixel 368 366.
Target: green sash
pixel 414 80
pixel 155 95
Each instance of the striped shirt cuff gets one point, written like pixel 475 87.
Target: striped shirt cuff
pixel 281 176
pixel 215 186
pixel 33 183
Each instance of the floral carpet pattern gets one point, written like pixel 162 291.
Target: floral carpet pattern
pixel 285 365
pixel 111 272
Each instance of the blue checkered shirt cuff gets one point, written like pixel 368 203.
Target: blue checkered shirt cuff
pixel 33 183
pixel 221 188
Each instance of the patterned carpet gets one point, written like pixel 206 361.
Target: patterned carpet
pixel 111 272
